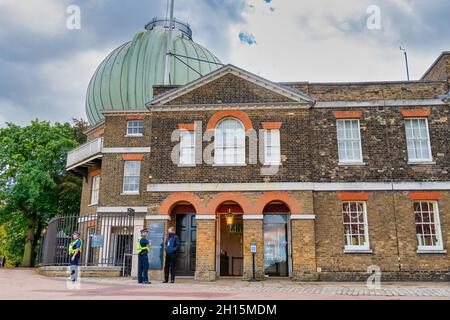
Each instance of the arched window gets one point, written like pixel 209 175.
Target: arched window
pixel 229 142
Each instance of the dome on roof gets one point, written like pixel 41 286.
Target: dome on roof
pixel 125 79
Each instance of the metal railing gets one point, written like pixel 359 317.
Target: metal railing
pixel 107 240
pixel 85 152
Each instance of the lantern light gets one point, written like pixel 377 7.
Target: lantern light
pixel 229 218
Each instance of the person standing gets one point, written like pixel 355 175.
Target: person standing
pixel 75 255
pixel 143 248
pixel 172 246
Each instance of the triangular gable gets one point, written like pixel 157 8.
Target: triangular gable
pixel 231 84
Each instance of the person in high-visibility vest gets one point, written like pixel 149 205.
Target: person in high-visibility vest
pixel 75 255
pixel 143 248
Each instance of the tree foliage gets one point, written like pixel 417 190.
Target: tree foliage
pixel 34 185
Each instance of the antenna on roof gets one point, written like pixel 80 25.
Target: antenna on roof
pixel 406 61
pixel 169 44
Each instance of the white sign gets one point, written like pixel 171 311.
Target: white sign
pixel 253 247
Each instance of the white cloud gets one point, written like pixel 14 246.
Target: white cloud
pixel 324 41
pixel 40 17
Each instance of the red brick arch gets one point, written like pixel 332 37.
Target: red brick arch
pixel 177 197
pixel 292 203
pixel 237 197
pixel 241 115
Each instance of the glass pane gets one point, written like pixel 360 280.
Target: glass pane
pixel 275 245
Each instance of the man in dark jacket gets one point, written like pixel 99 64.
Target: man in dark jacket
pixel 172 246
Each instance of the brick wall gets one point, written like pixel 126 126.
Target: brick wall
pixel 205 264
pixel 374 90
pixel 383 236
pixel 253 233
pixel 384 148
pixel 229 89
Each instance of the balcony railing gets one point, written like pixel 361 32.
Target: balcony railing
pixel 85 152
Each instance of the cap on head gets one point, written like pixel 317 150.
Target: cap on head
pixel 144 230
pixel 76 232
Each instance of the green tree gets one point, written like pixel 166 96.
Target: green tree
pixel 33 182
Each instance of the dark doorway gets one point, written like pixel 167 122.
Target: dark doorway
pixel 231 255
pixel 186 229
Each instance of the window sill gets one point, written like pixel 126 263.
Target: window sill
pixel 229 165
pixel 129 194
pixel 366 251
pixel 186 165
pixel 272 164
pixel 133 135
pixel 93 204
pixel 346 164
pixel 431 251
pixel 421 162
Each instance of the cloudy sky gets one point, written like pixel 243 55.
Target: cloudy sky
pixel 45 67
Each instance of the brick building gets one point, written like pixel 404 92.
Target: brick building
pixel 326 179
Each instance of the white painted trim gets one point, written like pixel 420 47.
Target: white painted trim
pixel 298 186
pixel 253 216
pixel 230 69
pixel 157 217
pixel 303 217
pixel 379 103
pixel 121 209
pixel 127 150
pixel 205 216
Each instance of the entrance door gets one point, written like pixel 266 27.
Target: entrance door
pixel 187 232
pixel 231 247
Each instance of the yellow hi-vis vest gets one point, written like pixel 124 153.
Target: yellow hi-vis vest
pixel 141 248
pixel 72 244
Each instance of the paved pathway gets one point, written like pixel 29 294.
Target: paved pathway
pixel 26 284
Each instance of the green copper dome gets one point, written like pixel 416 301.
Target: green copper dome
pixel 125 79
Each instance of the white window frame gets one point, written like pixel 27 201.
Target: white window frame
pixel 348 247
pixel 414 139
pixel 271 160
pixel 439 246
pixel 342 122
pixel 184 145
pixel 95 189
pixel 135 127
pixel 135 176
pixel 222 162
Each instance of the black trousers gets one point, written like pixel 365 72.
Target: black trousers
pixel 142 268
pixel 169 266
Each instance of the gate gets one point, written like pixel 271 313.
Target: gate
pixel 107 240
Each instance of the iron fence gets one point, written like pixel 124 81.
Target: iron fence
pixel 107 240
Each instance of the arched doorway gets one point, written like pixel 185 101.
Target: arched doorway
pixel 276 239
pixel 230 255
pixel 183 217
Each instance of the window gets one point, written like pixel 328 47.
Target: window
pixel 272 147
pixel 349 141
pixel 418 140
pixel 356 230
pixel 135 128
pixel 132 173
pixel 187 147
pixel 229 143
pixel 95 187
pixel 428 228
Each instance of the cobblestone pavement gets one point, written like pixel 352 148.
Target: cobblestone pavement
pixel 27 284
pixel 422 289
